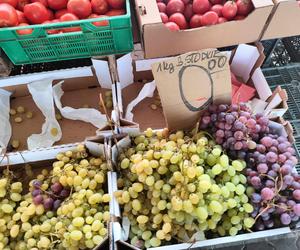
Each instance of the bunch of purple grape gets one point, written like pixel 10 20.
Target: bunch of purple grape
pixel 50 199
pixel 235 127
pixel 276 184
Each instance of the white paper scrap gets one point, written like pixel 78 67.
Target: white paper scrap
pixel 102 73
pixel 276 100
pixel 5 127
pixel 258 105
pixel 89 115
pixel 243 61
pixel 42 95
pixel 146 91
pixel 125 70
pixel 261 85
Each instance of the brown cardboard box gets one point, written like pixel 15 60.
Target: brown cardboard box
pixel 158 41
pixel 79 91
pixel 284 21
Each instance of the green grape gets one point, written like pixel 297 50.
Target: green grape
pixel 238 165
pixel 233 231
pixel 217 169
pixel 201 213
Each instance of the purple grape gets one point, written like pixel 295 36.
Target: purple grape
pixel 36 192
pixel 285 219
pixel 241 155
pixel 220 133
pixel 56 204
pixel 265 216
pixel 37 184
pixel 276 167
pixel 281 139
pixel 296 209
pixel 264 121
pixel 238 125
pixel 219 140
pixel 245 114
pixel 286 169
pixel 256 198
pixel 291 150
pixel 288 179
pixel 221 125
pixel 270 184
pixel 64 193
pixel 48 203
pixel 221 116
pixel 269 223
pixel 259 226
pixel 262 158
pixel 257 128
pixel 228 126
pixel 262 168
pixel 206 119
pixel 287 154
pixel 238 145
pixel 291 203
pixel 261 148
pixel 238 135
pixel 228 133
pixel 56 187
pixel 266 141
pixel 267 194
pixel 251 123
pixel 253 173
pixel 282 207
pixel 229 119
pixel 243 119
pixel 294 160
pixel 272 173
pixel 296 185
pixel 222 107
pixel 271 157
pixel 273 149
pixel 38 199
pixel 282 147
pixel 296 194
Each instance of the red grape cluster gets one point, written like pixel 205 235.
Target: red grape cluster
pixel 274 185
pixel 51 199
pixel 235 127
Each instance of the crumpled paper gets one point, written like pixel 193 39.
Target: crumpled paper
pixel 90 115
pixel 5 127
pixel 42 95
pixel 146 91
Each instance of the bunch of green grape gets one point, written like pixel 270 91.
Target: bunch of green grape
pixel 65 208
pixel 172 186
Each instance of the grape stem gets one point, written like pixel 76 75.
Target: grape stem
pixel 264 210
pixel 270 177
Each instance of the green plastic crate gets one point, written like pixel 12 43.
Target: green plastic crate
pixel 40 47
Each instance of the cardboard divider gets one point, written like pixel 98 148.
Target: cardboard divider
pixel 284 20
pixel 156 38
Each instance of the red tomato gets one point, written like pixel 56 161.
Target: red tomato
pixel 59 13
pixel 162 7
pixel 216 1
pixel 239 17
pixel 179 19
pixel 43 2
pixel 116 13
pixel 175 6
pixel 186 1
pixel 99 23
pixel 188 12
pixel 21 17
pixel 24 31
pixel 10 2
pixel 67 18
pixel 201 6
pixel 80 8
pixel 244 7
pixel 229 10
pixel 195 21
pixel 99 6
pixel 50 14
pixel 36 13
pixel 222 20
pixel 172 26
pixel 52 31
pixel 57 4
pixel 21 4
pixel 209 18
pixel 218 9
pixel 116 4
pixel 164 17
pixel 8 15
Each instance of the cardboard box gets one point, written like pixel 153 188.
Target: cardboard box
pixel 39 160
pixel 81 88
pixel 158 41
pixel 283 21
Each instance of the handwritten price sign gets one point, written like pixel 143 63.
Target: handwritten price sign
pixel 188 83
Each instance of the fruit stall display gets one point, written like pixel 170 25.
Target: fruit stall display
pixel 44 31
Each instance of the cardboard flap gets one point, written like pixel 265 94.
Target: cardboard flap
pixel 148 12
pixel 188 83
